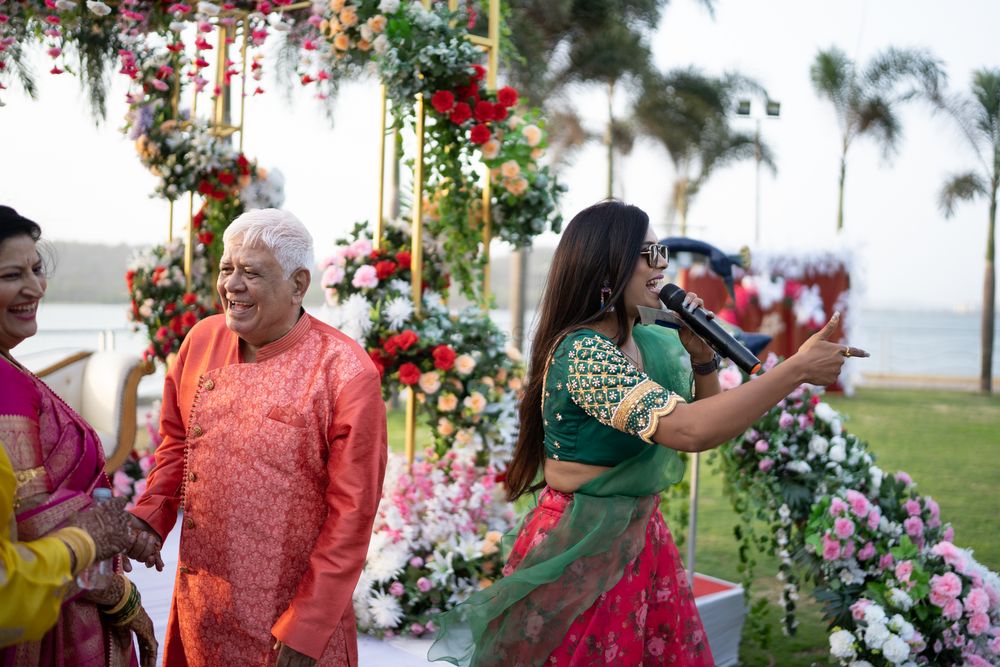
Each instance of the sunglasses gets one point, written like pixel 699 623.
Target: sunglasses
pixel 656 253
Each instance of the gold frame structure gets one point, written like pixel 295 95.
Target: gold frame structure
pixel 490 44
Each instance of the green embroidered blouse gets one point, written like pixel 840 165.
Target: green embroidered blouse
pixel 598 408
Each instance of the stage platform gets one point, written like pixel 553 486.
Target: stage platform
pixel 719 602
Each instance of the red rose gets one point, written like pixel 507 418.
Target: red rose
pixel 199 218
pixel 169 308
pixel 130 278
pixel 468 92
pixel 204 187
pixel 409 374
pixel 189 319
pixel 243 164
pixel 190 298
pixel 378 360
pixel 385 268
pixel 391 346
pixel 443 101
pixel 444 357
pixel 306 79
pixel 479 134
pixel 206 237
pixel 507 96
pixel 404 259
pixel 484 111
pixel 499 112
pixel 478 72
pixel 162 333
pixel 460 113
pixel 406 339
pixel 375 254
pixel 226 178
pixel 176 325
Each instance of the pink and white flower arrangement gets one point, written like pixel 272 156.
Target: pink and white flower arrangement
pixel 436 541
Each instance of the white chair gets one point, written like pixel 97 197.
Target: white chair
pixel 102 388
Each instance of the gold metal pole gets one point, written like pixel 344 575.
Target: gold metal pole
pixel 222 55
pixel 417 228
pixel 170 224
pixel 492 64
pixel 409 441
pixel 379 217
pixel 243 75
pixel 493 33
pixel 189 245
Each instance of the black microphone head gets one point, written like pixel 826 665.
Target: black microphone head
pixel 672 296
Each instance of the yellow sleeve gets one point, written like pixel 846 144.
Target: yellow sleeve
pixel 33 575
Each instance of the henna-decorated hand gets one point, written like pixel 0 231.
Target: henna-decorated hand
pixel 142 626
pixel 109 525
pixel 146 546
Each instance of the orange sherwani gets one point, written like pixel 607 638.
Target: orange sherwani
pixel 278 467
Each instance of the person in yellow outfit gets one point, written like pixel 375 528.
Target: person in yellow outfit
pixel 35 575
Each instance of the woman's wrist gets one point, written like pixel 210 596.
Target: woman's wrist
pixel 707 367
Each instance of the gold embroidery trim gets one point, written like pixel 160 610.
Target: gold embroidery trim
pixel 23 477
pixel 656 413
pixel 631 400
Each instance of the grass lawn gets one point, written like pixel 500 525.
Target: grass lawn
pixel 948 442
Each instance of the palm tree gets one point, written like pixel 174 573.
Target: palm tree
pixel 867 101
pixel 978 117
pixel 688 113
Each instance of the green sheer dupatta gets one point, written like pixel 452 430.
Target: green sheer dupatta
pixel 521 619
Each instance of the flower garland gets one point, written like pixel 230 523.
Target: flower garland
pixel 435 542
pixel 889 578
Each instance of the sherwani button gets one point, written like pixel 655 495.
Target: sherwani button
pixel 209 385
pixel 196 431
pixel 189 523
pixel 183 569
pixel 193 477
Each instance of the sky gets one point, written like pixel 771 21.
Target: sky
pixel 83 182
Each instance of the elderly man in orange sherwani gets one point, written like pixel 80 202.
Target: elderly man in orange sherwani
pixel 274 447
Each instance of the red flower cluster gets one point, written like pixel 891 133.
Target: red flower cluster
pixel 401 341
pixel 466 102
pixel 409 373
pixel 444 357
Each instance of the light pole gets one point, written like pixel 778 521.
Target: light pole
pixel 772 109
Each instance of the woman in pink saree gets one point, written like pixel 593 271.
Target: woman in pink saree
pixel 58 461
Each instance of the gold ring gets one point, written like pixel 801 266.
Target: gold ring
pixel 847 351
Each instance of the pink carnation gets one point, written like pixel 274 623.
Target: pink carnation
pixel 417 561
pixel 122 482
pixel 831 547
pixel 932 507
pixel 365 276
pixel 859 504
pixel 785 420
pixel 951 555
pixel 837 507
pixel 332 275
pixel 903 570
pixel 949 534
pixel 397 589
pixel 866 552
pixel 913 507
pixel 765 465
pixel 844 527
pixel 904 478
pixel 952 610
pixel 847 551
pixel 886 562
pixel 858 609
pixel 977 602
pixel 873 518
pixel 424 584
pixel 972 660
pixel 945 587
pixel 760 446
pixel 914 526
pixel 978 624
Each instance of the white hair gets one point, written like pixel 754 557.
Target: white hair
pixel 278 231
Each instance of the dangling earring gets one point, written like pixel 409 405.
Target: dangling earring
pixel 606 296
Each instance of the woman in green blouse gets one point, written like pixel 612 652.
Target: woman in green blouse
pixel 594 577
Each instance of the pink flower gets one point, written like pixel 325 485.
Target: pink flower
pixel 397 589
pixel 973 660
pixel 760 446
pixel 765 465
pixel 903 570
pixel 913 507
pixel 831 547
pixel 977 602
pixel 978 624
pixel 945 587
pixel 332 276
pixel 952 610
pixel 416 561
pixel 139 488
pixel 122 482
pixel 655 646
pixel 951 555
pixel 914 526
pixel 932 507
pixel 730 378
pixel 859 504
pixel 424 584
pixel 146 463
pixel 858 609
pixel 949 534
pixel 866 552
pixel 904 478
pixel 837 507
pixel 416 629
pixel 886 562
pixel 365 276
pixel 873 518
pixel 844 527
pixel 785 420
pixel 847 551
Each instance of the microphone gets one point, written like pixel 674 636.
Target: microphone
pixel 718 338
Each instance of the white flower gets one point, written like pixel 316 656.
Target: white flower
pixel 209 8
pixel 385 610
pixel 825 412
pixel 388 6
pixel 98 7
pixel 876 634
pixel 837 453
pixel 874 614
pixel 430 382
pixel 381 44
pixel 398 312
pixel 842 644
pixel 355 317
pixel 800 467
pixel 861 663
pixel 900 600
pixel 902 627
pixel 876 475
pixel 818 445
pixel 464 364
pixel 895 650
pixel 276 23
pixel 65 5
pixel 384 564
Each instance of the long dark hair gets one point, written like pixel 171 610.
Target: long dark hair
pixel 601 243
pixel 14 224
